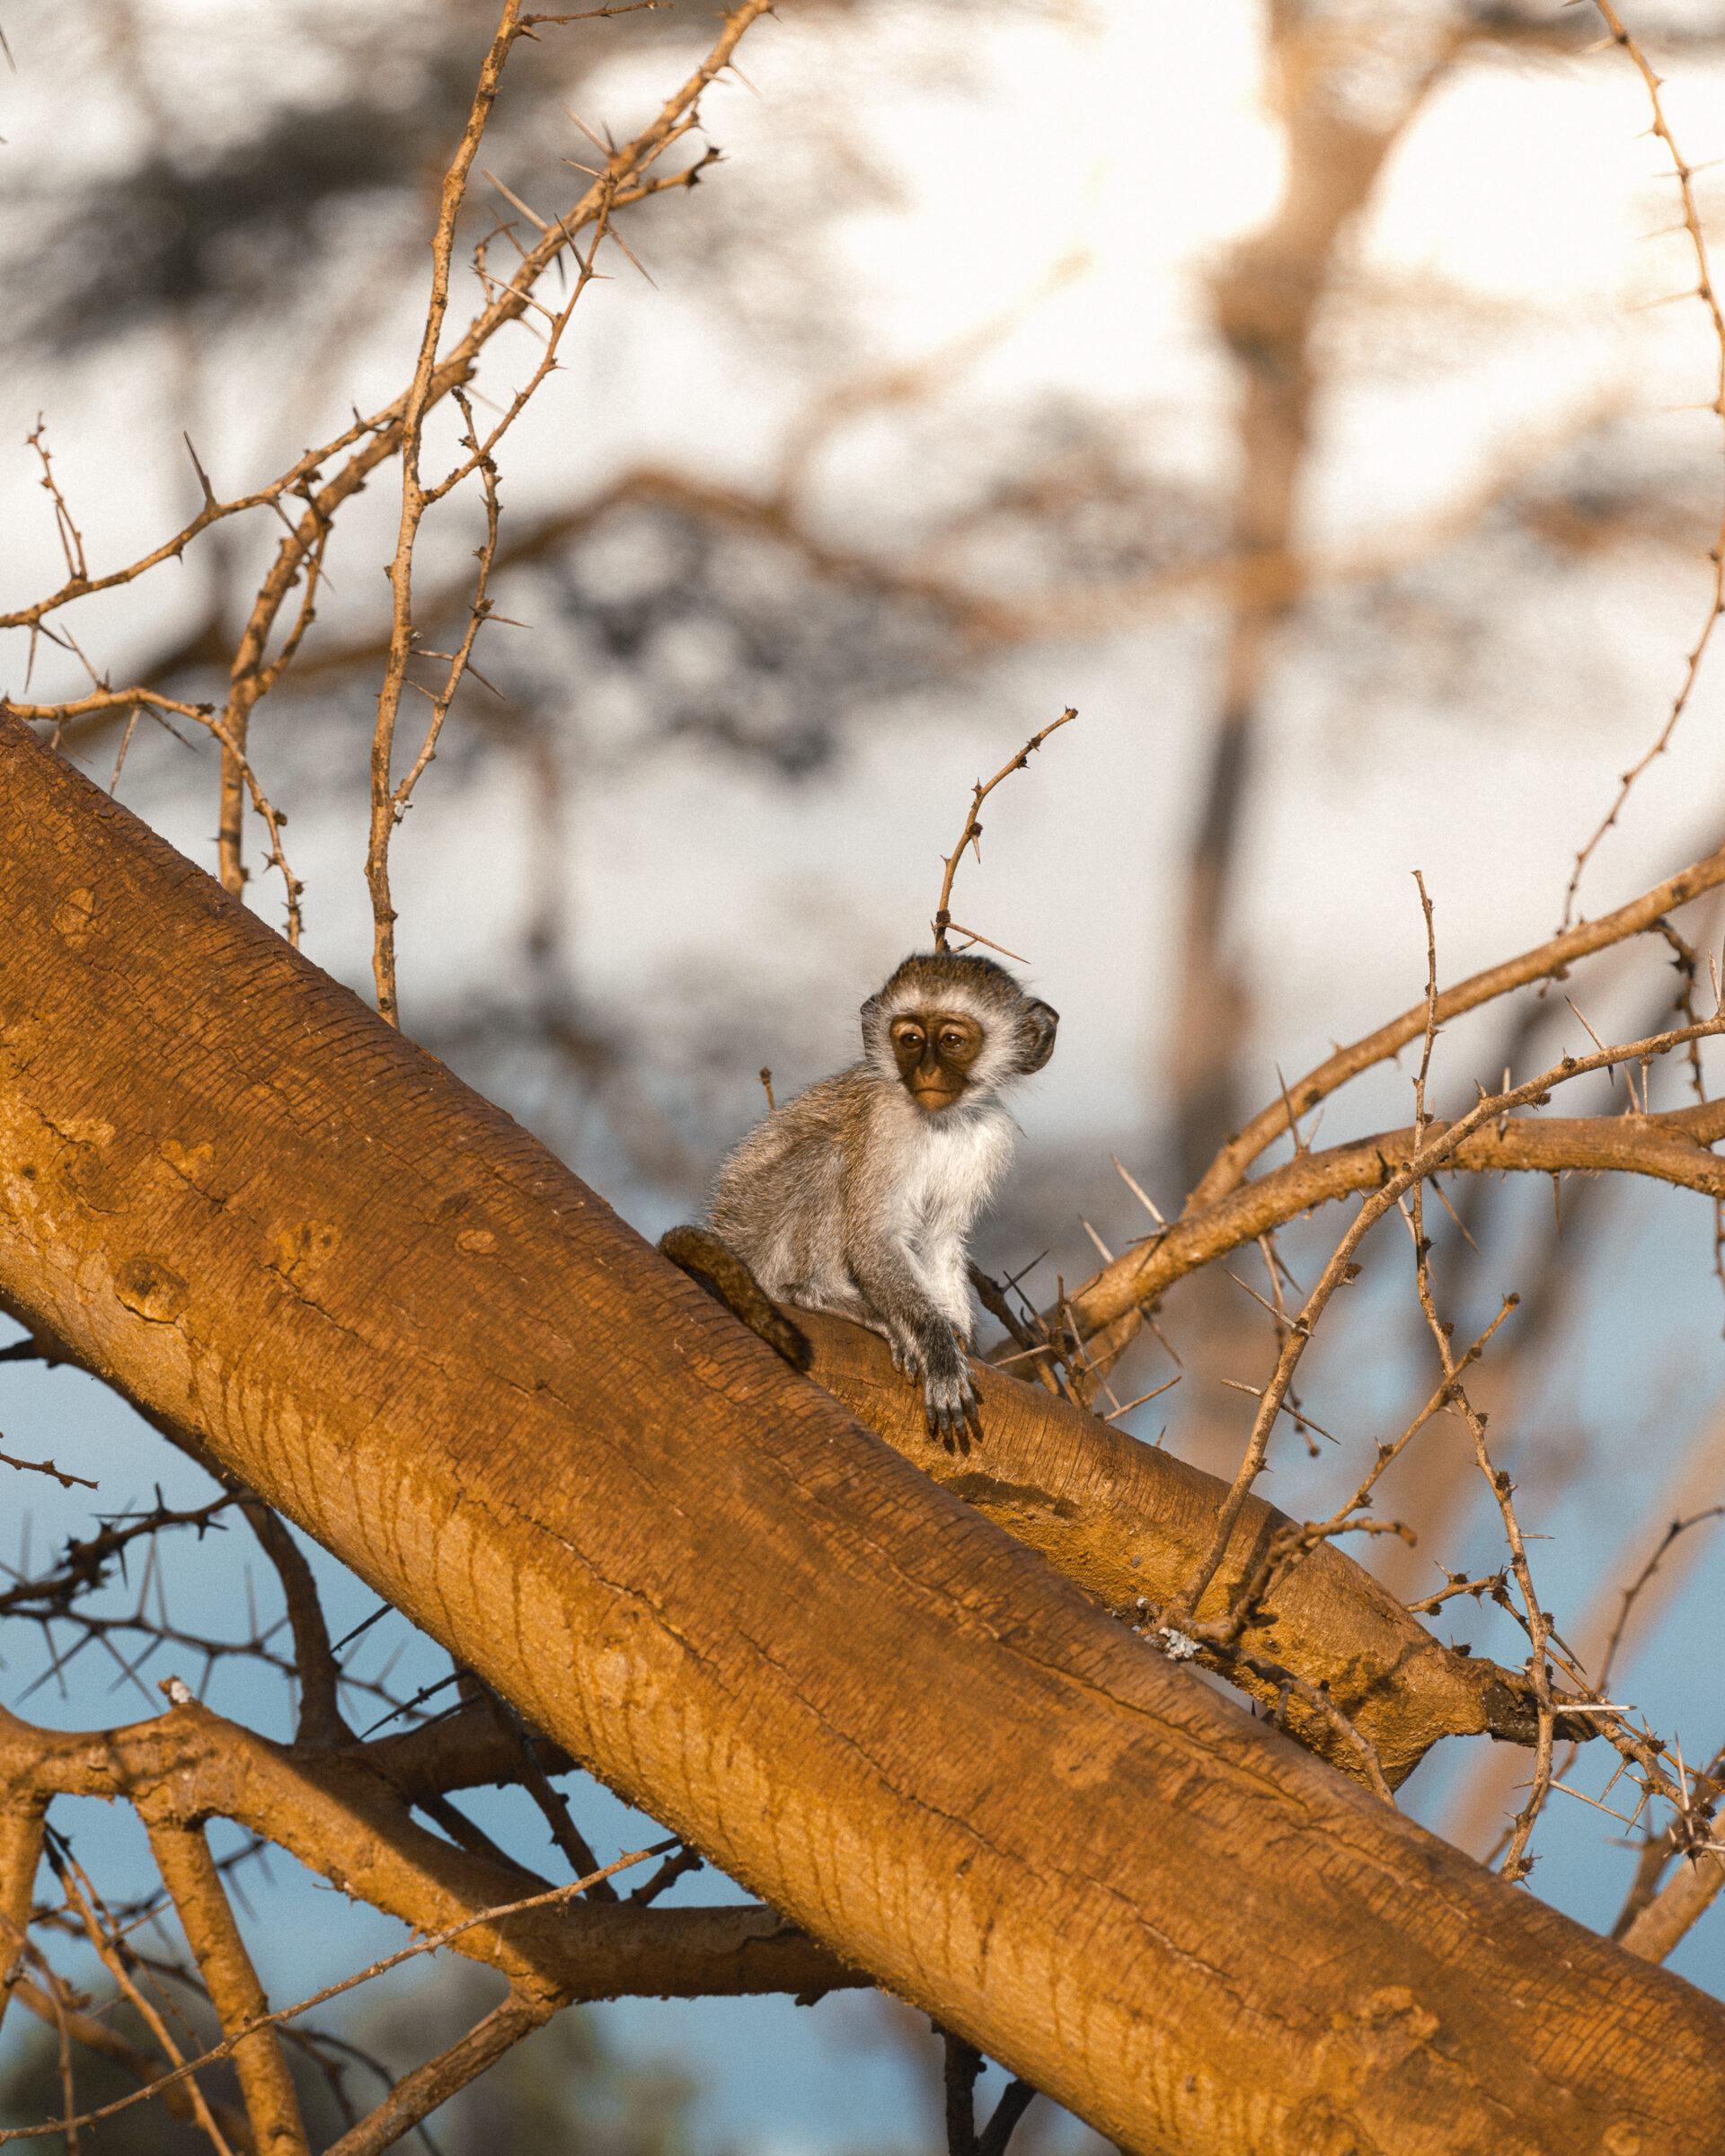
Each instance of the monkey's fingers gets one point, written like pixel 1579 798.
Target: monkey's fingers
pixel 960 1419
pixel 947 1406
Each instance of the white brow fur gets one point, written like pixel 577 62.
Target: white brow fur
pixel 992 1065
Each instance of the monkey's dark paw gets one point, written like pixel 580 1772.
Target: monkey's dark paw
pixel 949 1409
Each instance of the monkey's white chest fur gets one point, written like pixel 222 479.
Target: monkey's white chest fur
pixel 949 1168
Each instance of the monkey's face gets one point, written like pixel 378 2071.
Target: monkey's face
pixel 935 1050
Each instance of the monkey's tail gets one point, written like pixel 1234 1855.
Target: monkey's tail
pixel 708 1258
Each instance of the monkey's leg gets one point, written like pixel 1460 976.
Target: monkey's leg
pixel 836 1302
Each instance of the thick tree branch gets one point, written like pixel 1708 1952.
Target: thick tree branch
pixel 417 2094
pixel 343 1821
pixel 1679 1905
pixel 1129 1523
pixel 264 1215
pixel 20 1856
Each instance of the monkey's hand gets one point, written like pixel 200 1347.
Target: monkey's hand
pixel 949 1397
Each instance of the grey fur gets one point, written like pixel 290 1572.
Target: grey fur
pixel 853 1199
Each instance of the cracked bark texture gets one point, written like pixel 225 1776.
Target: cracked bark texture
pixel 270 1221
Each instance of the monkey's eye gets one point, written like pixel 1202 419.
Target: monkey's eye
pixel 910 1039
pixel 951 1039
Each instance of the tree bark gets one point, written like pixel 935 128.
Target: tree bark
pixel 342 1816
pixel 1130 1522
pixel 272 1222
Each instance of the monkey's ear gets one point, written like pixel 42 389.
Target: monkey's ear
pixel 1041 1020
pixel 873 1016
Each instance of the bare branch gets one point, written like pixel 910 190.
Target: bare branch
pixel 971 836
pixel 1436 1152
pixel 190 1875
pixel 1548 960
pixel 1706 291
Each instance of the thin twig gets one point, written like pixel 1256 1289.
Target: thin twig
pixel 1706 291
pixel 971 834
pixel 47 1467
pixel 427 1945
pixel 386 810
pixel 1431 1154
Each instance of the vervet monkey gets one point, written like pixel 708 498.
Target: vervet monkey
pixel 858 1197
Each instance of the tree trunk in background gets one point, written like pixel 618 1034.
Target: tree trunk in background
pixel 1266 298
pixel 275 1225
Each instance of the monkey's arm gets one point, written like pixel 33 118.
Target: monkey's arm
pixel 708 1258
pixel 945 1266
pixel 922 1339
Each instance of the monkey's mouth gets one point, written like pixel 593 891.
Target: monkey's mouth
pixel 931 1099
